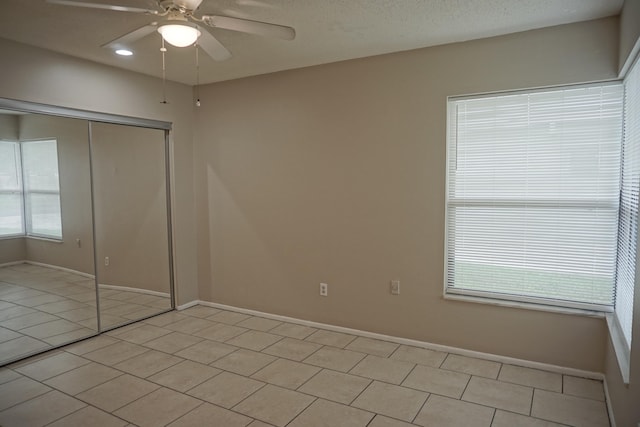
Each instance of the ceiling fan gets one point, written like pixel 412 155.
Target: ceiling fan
pixel 180 25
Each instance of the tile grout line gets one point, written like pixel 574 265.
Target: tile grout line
pixel 185 414
pixel 421 408
pixel 408 373
pixel 493 416
pixel 305 408
pixel 309 379
pixel 533 396
pixel 465 388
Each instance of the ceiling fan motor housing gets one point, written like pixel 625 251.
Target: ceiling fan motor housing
pixel 184 5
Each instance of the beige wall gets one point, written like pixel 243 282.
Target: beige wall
pixel 9 127
pixel 75 192
pixel 629 29
pixel 38 75
pixel 130 206
pixel 336 174
pixel 625 399
pixel 13 249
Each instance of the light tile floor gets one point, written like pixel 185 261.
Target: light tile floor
pixel 41 308
pixel 203 366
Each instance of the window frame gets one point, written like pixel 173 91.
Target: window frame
pixel 620 342
pixel 509 300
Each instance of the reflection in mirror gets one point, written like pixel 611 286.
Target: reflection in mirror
pixel 47 284
pixel 131 218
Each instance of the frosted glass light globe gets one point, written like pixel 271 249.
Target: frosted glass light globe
pixel 179 35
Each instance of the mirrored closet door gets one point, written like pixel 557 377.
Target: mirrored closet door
pixel 47 287
pixel 130 196
pixel 85 241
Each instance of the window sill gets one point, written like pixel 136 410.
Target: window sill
pixel 619 347
pixel 12 237
pixel 525 305
pixel 22 236
pixel 45 239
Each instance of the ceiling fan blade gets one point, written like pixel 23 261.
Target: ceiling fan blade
pixel 212 46
pixel 115 7
pixel 133 36
pixel 252 27
pixel 188 4
pixel 255 3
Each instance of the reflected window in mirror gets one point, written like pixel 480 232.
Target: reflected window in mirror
pixel 41 188
pixel 30 189
pixel 11 201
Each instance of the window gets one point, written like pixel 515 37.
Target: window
pixel 11 218
pixel 532 196
pixel 30 189
pixel 628 221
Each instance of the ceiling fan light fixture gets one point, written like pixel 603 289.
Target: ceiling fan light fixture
pixel 178 34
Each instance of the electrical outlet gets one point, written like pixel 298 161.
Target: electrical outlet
pixel 324 289
pixel 395 287
pixel 106 261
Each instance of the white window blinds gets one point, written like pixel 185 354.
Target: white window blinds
pixel 630 189
pixel 532 195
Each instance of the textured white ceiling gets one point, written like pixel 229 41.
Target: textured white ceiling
pixel 327 30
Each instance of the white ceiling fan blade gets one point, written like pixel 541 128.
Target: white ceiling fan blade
pixel 212 46
pixel 188 4
pixel 252 27
pixel 133 36
pixel 115 7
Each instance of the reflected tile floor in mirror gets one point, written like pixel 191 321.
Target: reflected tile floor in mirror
pixel 42 307
pixel 207 367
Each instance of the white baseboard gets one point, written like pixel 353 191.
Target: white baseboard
pixel 188 305
pixel 91 276
pixel 10 263
pixel 53 267
pixel 607 400
pixel 136 290
pixel 406 341
pixel 57 267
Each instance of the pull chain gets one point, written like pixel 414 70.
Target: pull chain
pixel 164 73
pixel 197 90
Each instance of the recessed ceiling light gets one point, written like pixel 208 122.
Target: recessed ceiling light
pixel 124 52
